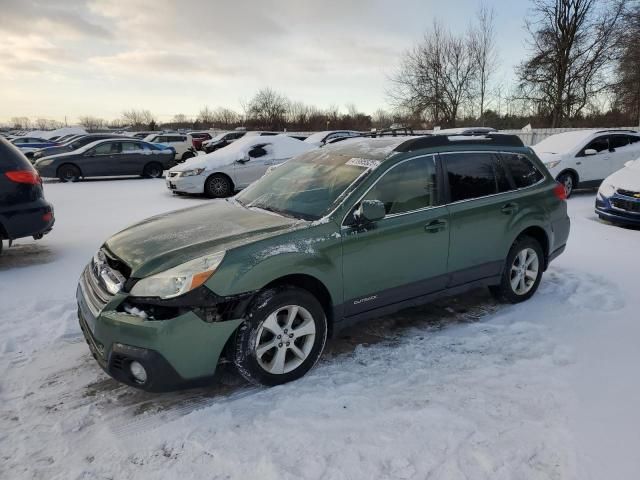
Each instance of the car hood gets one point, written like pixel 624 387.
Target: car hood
pixel 170 239
pixel 627 178
pixel 547 156
pixel 217 159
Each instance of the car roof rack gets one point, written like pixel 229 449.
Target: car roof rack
pixel 391 132
pixel 492 139
pixel 616 130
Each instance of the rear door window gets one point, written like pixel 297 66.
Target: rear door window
pixel 522 169
pixel 131 147
pixel 617 141
pixel 474 175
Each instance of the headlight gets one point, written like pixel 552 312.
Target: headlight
pixel 552 164
pixel 606 190
pixel 44 163
pixel 192 173
pixel 178 280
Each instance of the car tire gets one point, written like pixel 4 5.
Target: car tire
pixel 69 173
pixel 187 155
pixel 522 273
pixel 218 186
pixel 568 181
pixel 282 337
pixel 152 170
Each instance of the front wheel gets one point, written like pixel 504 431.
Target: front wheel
pixel 217 186
pixel 282 337
pixel 522 273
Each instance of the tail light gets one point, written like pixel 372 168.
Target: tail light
pixel 24 176
pixel 560 192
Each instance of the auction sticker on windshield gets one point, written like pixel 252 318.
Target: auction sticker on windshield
pixel 363 162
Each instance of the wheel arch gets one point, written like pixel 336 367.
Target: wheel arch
pixel 572 172
pixel 314 287
pixel 226 175
pixel 538 233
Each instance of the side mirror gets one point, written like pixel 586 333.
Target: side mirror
pixel 590 151
pixel 90 153
pixel 244 159
pixel 370 211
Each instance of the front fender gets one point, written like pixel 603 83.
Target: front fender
pixel 315 251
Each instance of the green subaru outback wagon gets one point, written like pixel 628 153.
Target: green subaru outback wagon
pixel 348 232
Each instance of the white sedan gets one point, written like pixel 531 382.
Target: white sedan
pixel 222 172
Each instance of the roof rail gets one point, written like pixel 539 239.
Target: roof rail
pixel 432 141
pixel 393 132
pixel 607 130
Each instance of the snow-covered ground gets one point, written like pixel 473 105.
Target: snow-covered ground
pixel 460 389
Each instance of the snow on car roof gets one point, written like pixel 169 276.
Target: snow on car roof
pixel 365 147
pixel 563 142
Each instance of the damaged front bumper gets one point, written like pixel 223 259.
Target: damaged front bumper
pixel 178 352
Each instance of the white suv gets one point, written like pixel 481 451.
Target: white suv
pixel 583 158
pixel 181 143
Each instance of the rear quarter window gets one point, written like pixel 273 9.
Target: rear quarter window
pixel 523 170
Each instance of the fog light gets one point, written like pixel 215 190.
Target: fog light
pixel 138 372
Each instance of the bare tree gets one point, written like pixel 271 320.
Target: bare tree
pixel 226 117
pixel 572 43
pixel 268 109
pixel 626 89
pixel 435 77
pixel 91 123
pixel 138 118
pixel 206 117
pixel 485 54
pixel 20 123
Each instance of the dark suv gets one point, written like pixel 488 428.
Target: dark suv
pixel 23 210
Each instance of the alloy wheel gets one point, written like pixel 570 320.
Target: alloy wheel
pixel 524 271
pixel 285 339
pixel 218 187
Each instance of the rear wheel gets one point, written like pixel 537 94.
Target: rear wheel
pixel 522 273
pixel 217 186
pixel 187 155
pixel 152 170
pixel 69 173
pixel 282 337
pixel 568 181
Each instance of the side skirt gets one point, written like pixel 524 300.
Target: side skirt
pixel 412 302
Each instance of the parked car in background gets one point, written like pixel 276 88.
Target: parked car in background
pixel 618 199
pixel 222 140
pixel 142 135
pixel 182 144
pixel 265 278
pixel 198 138
pixel 73 144
pixel 320 139
pixel 24 212
pixel 29 145
pixel 105 158
pixel 234 167
pixel 583 158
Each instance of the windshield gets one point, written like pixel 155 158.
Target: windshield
pixel 307 186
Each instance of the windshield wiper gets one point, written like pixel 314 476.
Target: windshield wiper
pixel 271 209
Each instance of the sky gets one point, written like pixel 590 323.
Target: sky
pixel 68 58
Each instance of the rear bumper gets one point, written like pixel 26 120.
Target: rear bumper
pixel 605 210
pixel 177 353
pixel 33 219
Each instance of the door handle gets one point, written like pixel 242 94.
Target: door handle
pixel 509 208
pixel 435 226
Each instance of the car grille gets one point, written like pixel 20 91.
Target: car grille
pixel 100 281
pixel 626 205
pixel 628 193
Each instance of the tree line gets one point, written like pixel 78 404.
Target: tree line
pixel 580 68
